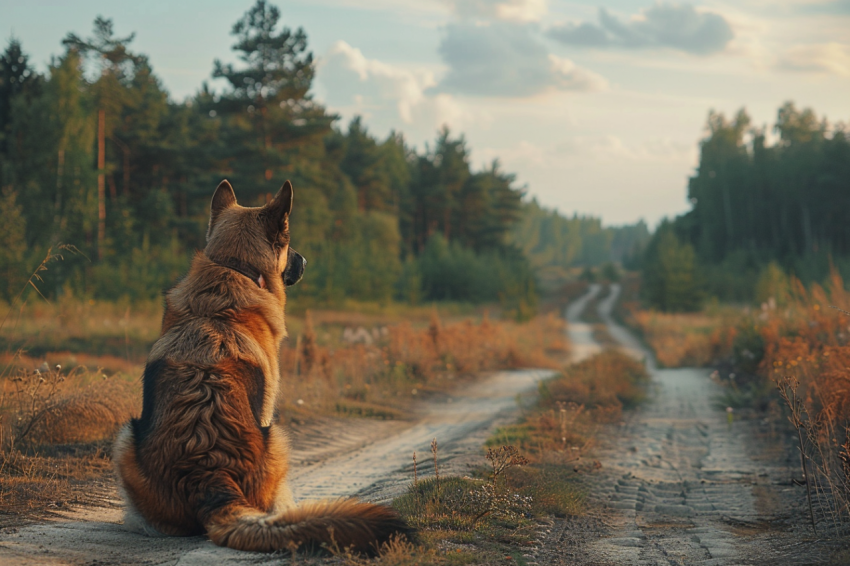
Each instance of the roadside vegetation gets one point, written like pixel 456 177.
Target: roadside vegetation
pixel 380 369
pixel 686 339
pixel 800 344
pixel 534 470
pixel 786 359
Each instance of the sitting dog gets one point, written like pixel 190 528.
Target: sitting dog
pixel 205 457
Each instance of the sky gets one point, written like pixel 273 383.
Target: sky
pixel 598 108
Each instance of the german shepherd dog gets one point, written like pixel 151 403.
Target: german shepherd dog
pixel 205 457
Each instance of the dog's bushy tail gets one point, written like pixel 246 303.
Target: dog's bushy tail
pixel 344 524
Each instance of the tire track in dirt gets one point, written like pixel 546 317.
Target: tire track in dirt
pixel 461 423
pixel 679 483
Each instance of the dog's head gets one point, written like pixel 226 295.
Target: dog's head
pixel 255 238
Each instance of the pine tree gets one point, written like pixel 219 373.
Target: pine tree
pixel 364 163
pixel 16 77
pixel 271 126
pixel 670 273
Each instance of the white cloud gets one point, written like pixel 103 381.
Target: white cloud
pixel 677 26
pixel 507 59
pixel 505 10
pixel 569 76
pixel 826 58
pixel 348 76
pixel 390 96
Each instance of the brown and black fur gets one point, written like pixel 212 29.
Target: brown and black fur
pixel 205 457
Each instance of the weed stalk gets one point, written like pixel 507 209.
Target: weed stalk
pixel 788 390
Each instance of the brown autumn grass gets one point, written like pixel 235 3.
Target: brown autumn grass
pixel 680 339
pixel 686 339
pixel 803 347
pixel 34 476
pixel 405 361
pixel 558 435
pixel 563 423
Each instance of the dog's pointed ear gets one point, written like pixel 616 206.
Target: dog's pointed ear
pixel 223 199
pixel 277 211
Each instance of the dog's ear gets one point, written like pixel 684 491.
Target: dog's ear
pixel 277 211
pixel 223 199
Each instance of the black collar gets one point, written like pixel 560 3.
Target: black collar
pixel 244 268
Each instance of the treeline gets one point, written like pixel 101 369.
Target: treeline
pixel 553 242
pixel 756 208
pixel 94 153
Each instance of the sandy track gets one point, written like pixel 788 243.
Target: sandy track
pixel 582 344
pixel 680 484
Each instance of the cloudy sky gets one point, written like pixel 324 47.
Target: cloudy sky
pixel 597 107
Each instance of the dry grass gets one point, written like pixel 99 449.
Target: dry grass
pixel 55 433
pixel 54 423
pixel 558 435
pixel 680 339
pixel 686 339
pixel 805 349
pixel 36 484
pixel 570 407
pixel 481 519
pixel 400 552
pixel 404 361
pixel 79 327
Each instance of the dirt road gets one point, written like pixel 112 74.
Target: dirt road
pixel 679 484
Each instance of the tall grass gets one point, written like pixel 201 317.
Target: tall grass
pixel 806 353
pixel 41 406
pixel 404 361
pixel 679 339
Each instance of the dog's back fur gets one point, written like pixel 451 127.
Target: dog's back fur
pixel 205 457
